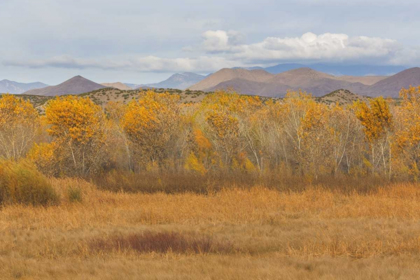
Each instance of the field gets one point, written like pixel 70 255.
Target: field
pixel 253 233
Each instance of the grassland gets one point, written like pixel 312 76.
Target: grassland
pixel 255 233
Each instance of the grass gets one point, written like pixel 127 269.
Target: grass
pixel 160 242
pixel 74 195
pixel 255 233
pixel 184 182
pixel 22 183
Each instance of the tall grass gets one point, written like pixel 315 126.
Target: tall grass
pixel 161 242
pixel 21 183
pixel 183 182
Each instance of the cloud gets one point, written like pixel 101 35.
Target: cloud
pixel 221 41
pixel 134 63
pixel 220 49
pixel 325 47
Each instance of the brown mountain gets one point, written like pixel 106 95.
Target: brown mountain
pixel 366 80
pixel 75 85
pixel 117 85
pixel 309 80
pixel 226 74
pixel 306 79
pixel 342 96
pixel 391 86
pixel 247 87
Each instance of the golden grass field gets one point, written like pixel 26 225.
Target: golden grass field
pixel 314 234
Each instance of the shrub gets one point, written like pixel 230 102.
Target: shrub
pixel 74 195
pixel 22 183
pixel 193 182
pixel 162 242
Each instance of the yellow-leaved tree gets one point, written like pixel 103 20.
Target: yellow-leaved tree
pixel 407 144
pixel 152 124
pixel 229 126
pixel 77 127
pixel 377 121
pixel 19 126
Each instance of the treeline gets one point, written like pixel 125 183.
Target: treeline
pixel 226 133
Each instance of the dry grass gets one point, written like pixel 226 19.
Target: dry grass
pixel 182 182
pixel 311 234
pixel 160 242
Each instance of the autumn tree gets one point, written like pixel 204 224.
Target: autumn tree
pixel 152 124
pixel 228 126
pixel 121 154
pixel 19 126
pixel 77 127
pixel 377 121
pixel 407 143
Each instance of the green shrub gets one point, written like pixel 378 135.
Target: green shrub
pixel 74 195
pixel 22 183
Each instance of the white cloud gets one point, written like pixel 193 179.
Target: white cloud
pixel 221 41
pixel 221 49
pixel 134 63
pixel 326 47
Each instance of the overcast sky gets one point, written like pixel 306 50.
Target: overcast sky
pixel 147 41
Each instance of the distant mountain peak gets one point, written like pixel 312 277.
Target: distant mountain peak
pixel 177 81
pixel 75 85
pixel 8 86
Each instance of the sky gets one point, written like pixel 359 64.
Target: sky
pixel 137 41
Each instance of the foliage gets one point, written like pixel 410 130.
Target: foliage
pixel 152 124
pixel 77 127
pixel 19 127
pixel 226 133
pixel 21 183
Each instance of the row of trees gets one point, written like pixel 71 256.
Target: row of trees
pixel 225 132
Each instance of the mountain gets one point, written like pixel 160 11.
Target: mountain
pixel 117 85
pixel 366 80
pixel 131 85
pixel 7 86
pixel 340 70
pixel 75 85
pixel 260 82
pixel 391 86
pixel 177 81
pixel 227 74
pixel 244 86
pixel 342 96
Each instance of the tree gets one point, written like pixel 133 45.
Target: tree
pixel 19 126
pixel 152 124
pixel 377 122
pixel 407 143
pixel 77 126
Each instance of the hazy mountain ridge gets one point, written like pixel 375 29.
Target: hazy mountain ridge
pixel 227 74
pixel 336 69
pixel 7 86
pixel 117 85
pixel 176 81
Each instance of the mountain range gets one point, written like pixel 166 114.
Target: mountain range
pixel 117 85
pixel 176 81
pixel 261 82
pixel 337 69
pixel 12 87
pixel 246 81
pixel 75 85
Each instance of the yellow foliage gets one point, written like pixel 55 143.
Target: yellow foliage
pixel 376 118
pixel 74 119
pixel 194 164
pixel 45 158
pixel 19 126
pixel 152 122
